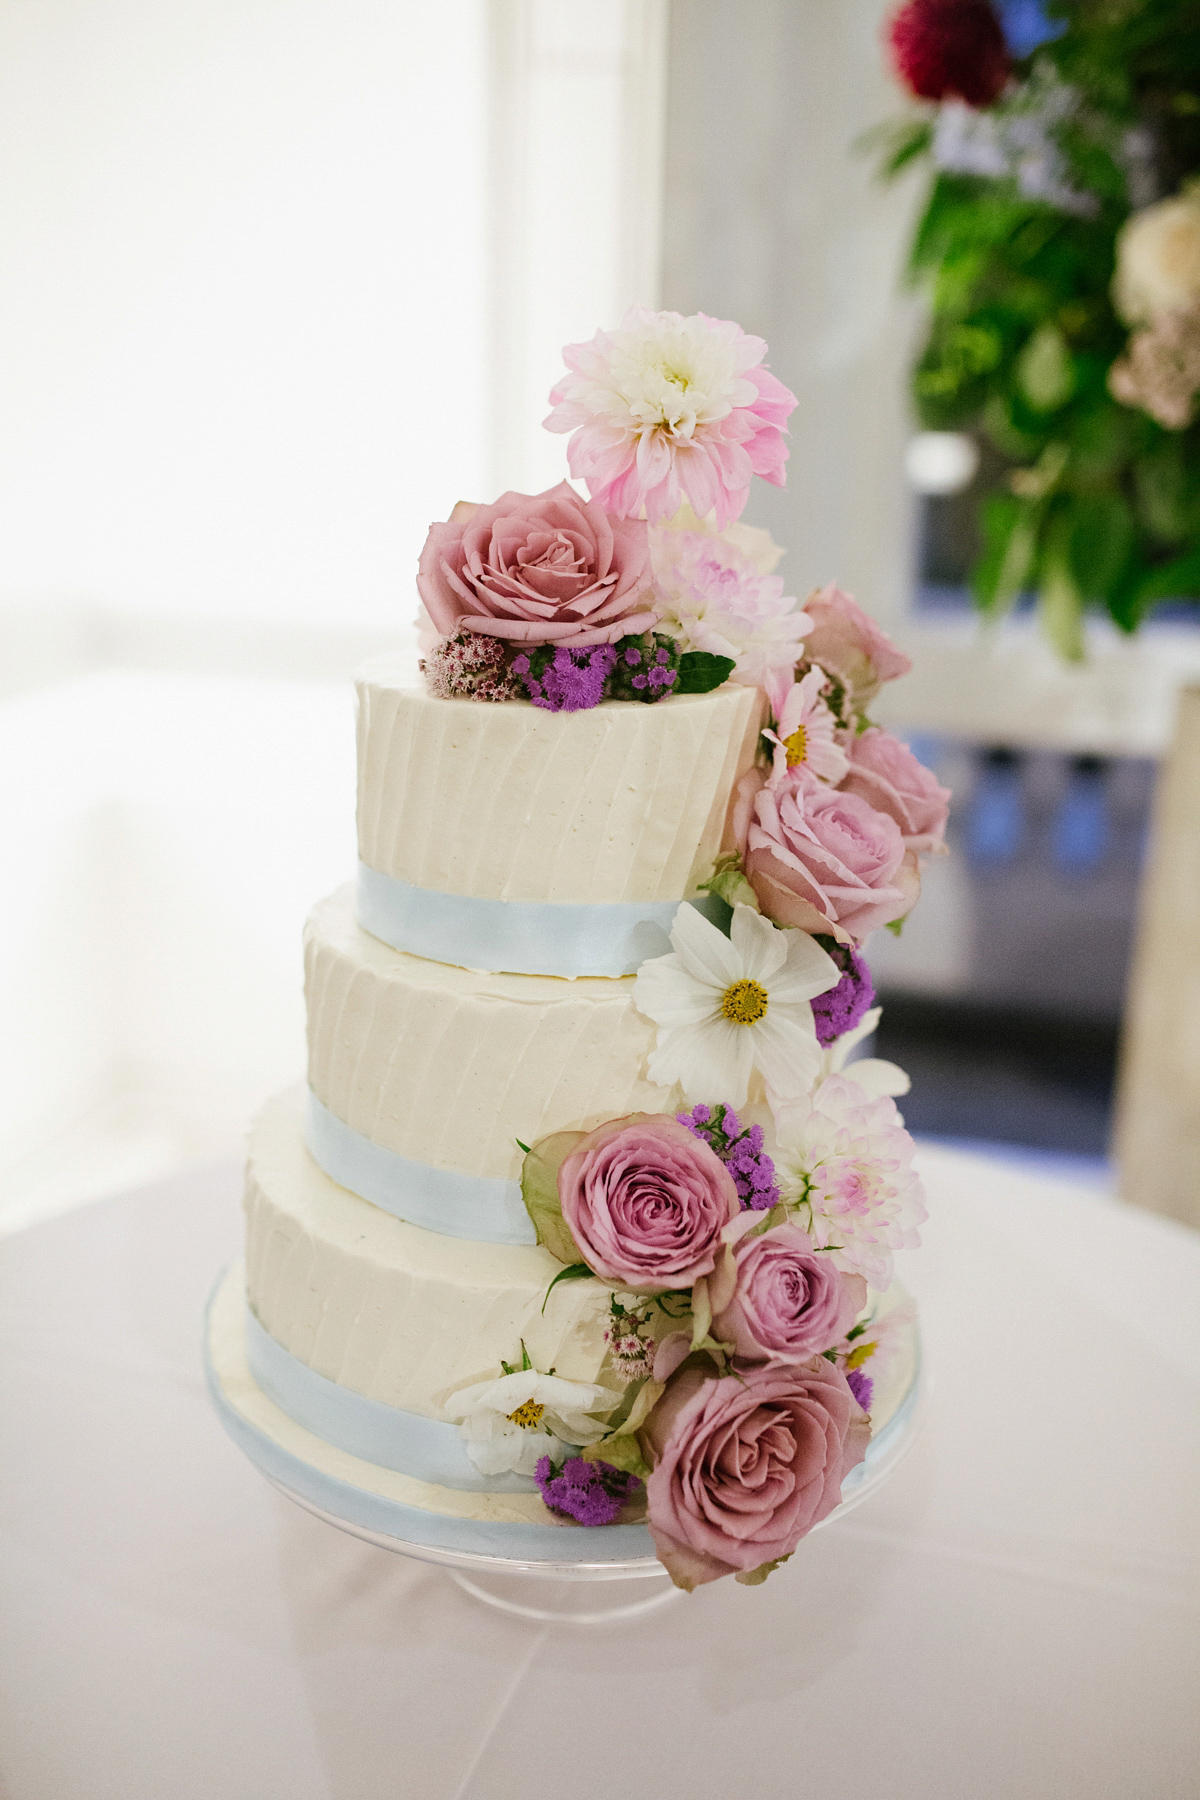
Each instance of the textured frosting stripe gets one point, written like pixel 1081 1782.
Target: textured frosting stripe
pixel 507 802
pixel 462 1206
pixel 450 1068
pixel 520 937
pixel 399 1314
pixel 429 1449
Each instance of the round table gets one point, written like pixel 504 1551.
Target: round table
pixel 1013 1614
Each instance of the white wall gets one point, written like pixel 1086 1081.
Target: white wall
pixel 242 305
pixel 280 284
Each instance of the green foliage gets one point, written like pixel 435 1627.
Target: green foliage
pixel 699 672
pixel 1093 503
pixel 728 883
pixel 539 1190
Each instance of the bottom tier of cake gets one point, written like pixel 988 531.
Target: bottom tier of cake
pixel 443 1522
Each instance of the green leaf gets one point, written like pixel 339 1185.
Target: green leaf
pixel 1178 580
pixel 755 1577
pixel 728 883
pixel 699 672
pixel 1045 374
pixel 1060 602
pixel 895 926
pixel 622 1452
pixel 539 1190
pixel 574 1272
pixel 1010 540
pixel 1101 542
pixel 701 1312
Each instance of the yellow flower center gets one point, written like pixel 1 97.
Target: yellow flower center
pixel 745 1002
pixel 796 746
pixel 528 1416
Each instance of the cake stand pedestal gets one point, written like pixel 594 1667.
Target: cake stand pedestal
pixel 576 1593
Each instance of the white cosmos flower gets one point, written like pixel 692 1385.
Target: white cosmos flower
pixel 509 1423
pixel 727 1006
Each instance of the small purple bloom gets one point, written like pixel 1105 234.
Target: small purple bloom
pixel 591 1493
pixel 565 680
pixel 840 1009
pixel 741 1151
pixel 860 1385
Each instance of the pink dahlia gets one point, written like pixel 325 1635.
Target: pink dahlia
pixel 717 592
pixel 846 1159
pixel 666 410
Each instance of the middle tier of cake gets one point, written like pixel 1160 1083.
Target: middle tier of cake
pixel 449 1069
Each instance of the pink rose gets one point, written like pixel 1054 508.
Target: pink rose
pixel 850 646
pixel 886 774
pixel 646 1202
pixel 538 569
pixel 745 1465
pixel 821 858
pixel 785 1301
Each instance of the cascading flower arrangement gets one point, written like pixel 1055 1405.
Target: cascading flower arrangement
pixel 745 1239
pixel 1060 247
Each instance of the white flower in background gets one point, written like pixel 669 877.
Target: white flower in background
pixel 806 731
pixel 507 1424
pixel 873 1075
pixel 728 1006
pixel 1158 259
pixel 844 1160
pixel 1017 137
pixel 718 593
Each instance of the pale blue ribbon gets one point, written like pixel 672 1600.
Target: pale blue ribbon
pixel 482 1207
pixel 521 937
pixel 428 1449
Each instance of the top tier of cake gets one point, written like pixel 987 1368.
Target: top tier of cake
pixel 622 803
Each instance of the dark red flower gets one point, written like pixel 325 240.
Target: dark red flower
pixel 950 47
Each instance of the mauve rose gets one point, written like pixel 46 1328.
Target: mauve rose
pixel 538 569
pixel 744 1465
pixel 849 645
pixel 646 1202
pixel 886 774
pixel 785 1301
pixel 820 858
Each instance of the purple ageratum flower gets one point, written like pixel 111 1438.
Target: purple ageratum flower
pixel 741 1151
pixel 591 1493
pixel 840 1008
pixel 860 1385
pixel 565 680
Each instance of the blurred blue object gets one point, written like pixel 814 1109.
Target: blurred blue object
pixel 1025 25
pixel 1081 831
pixel 996 817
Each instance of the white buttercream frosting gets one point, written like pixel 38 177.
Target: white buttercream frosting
pixel 510 802
pixel 397 1313
pixel 451 1068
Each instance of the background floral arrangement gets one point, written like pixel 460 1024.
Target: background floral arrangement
pixel 1060 247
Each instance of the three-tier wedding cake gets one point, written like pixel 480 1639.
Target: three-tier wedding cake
pixel 586 1215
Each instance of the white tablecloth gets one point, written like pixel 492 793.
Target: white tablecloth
pixel 1014 1614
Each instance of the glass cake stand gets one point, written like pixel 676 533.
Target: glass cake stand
pixel 581 1592
pixel 562 1576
